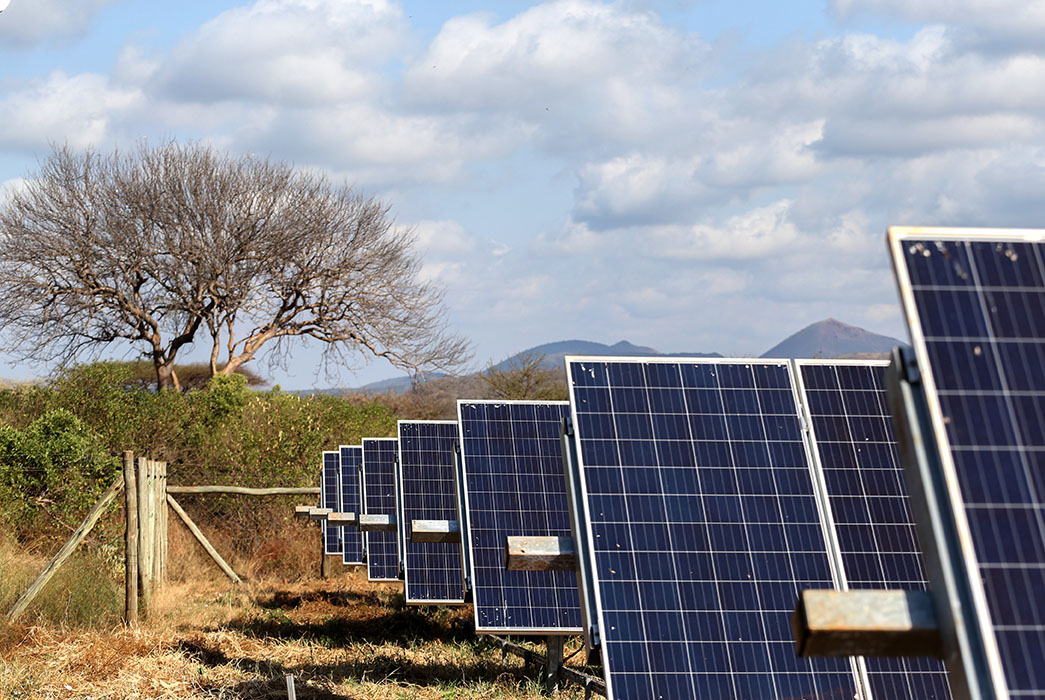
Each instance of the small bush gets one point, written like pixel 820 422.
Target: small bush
pixel 52 471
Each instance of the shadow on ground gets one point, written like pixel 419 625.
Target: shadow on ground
pixel 377 666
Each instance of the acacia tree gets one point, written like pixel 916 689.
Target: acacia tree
pixel 163 245
pixel 525 377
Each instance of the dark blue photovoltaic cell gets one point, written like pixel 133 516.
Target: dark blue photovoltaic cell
pixel 432 570
pixel 515 486
pixel 980 334
pixel 705 527
pixel 328 499
pixel 853 434
pixel 348 502
pixel 379 498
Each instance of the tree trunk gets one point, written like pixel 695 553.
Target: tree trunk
pixel 164 375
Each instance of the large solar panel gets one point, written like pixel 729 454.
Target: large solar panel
pixel 379 498
pixel 432 570
pixel 975 304
pixel 349 502
pixel 698 498
pixel 851 429
pixel 328 499
pixel 514 486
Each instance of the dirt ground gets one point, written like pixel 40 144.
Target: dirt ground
pixel 342 638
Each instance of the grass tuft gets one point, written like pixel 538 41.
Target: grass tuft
pixel 81 595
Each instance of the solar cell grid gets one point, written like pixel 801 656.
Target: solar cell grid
pixel 851 428
pixel 515 486
pixel 432 570
pixel 328 499
pixel 349 502
pixel 379 499
pixel 699 500
pixel 975 304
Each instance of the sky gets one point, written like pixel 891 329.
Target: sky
pixel 710 175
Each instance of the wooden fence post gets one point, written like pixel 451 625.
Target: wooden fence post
pixel 146 530
pixel 159 534
pixel 130 490
pixel 67 549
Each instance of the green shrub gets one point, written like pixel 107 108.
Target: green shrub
pixel 56 466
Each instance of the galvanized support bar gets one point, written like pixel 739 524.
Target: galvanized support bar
pixel 540 554
pixel 866 623
pixel 377 523
pixel 964 652
pixel 342 519
pixel 319 513
pixel 302 511
pixel 435 531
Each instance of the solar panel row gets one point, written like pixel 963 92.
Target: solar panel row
pixel 713 491
pixel 855 451
pixel 349 502
pixel 514 485
pixel 432 571
pixel 328 499
pixel 379 456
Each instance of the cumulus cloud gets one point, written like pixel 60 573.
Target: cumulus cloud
pixel 29 22
pixel 581 72
pixel 287 52
pixel 1002 25
pixel 75 109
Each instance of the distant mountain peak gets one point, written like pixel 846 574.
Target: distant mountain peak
pixel 832 338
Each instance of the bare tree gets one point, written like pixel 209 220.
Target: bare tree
pixel 161 245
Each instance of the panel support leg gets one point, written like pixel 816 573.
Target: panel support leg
pixel 553 664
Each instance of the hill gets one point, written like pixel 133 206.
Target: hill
pixel 832 338
pixel 555 352
pixel 828 338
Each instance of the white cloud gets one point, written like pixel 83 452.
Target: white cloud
pixel 444 238
pixel 757 233
pixel 28 22
pixel 289 52
pixel 996 24
pixel 580 72
pixel 76 109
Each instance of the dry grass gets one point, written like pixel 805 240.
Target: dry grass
pixel 344 638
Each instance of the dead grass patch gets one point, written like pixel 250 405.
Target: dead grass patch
pixel 344 638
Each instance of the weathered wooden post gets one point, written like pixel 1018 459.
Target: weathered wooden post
pixel 144 535
pixel 130 490
pixel 159 496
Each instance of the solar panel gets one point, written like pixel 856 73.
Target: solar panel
pixel 348 502
pixel 379 498
pixel 854 447
pixel 432 570
pixel 698 498
pixel 975 304
pixel 328 499
pixel 514 485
